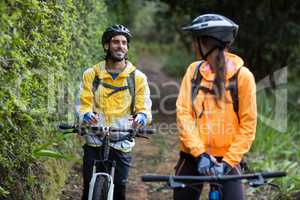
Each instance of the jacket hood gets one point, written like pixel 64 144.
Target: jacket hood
pixel 233 63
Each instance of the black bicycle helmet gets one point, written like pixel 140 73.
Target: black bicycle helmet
pixel 115 30
pixel 213 25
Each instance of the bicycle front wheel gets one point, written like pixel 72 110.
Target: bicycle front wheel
pixel 101 188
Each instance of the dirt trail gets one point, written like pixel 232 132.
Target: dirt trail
pixel 157 155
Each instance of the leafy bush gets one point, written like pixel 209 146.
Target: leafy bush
pixel 45 45
pixel 177 61
pixel 275 150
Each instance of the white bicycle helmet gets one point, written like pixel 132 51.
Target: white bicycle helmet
pixel 213 25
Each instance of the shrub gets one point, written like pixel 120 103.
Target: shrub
pixel 44 47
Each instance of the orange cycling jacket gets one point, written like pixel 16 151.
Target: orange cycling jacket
pixel 218 131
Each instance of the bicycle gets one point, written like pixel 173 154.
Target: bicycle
pixel 101 184
pixel 173 182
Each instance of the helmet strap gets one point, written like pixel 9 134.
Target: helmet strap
pixel 204 56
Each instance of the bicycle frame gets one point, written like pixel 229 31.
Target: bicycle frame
pixel 106 132
pixel 105 153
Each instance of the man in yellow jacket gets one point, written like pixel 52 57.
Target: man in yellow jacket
pixel 112 92
pixel 216 123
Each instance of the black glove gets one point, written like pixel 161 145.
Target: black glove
pixel 226 168
pixel 204 164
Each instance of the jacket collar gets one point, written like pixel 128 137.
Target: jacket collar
pixel 102 73
pixel 233 63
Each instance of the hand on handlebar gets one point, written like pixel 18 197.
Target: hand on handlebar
pixel 204 164
pixel 208 165
pixel 140 120
pixel 90 118
pixel 221 168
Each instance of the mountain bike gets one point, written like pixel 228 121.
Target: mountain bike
pixel 173 182
pixel 101 185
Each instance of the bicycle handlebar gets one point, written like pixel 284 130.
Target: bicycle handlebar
pixel 188 179
pixel 66 126
pixel 99 129
pixel 129 130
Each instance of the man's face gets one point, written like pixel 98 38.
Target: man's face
pixel 117 47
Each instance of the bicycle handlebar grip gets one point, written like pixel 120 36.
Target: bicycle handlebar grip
pixel 66 126
pixel 273 174
pixel 154 178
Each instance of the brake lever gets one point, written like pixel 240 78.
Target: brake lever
pixel 257 182
pixel 172 184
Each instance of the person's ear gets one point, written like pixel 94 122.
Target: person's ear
pixel 106 46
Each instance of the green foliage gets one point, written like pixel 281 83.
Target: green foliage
pixel 42 150
pixel 176 62
pixel 268 37
pixel 122 12
pixel 276 151
pixel 47 153
pixel 45 45
pixel 3 192
pixel 143 24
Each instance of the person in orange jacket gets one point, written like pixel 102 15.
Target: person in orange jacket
pixel 216 115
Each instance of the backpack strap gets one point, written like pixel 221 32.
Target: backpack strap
pixel 131 87
pixel 233 88
pixel 114 88
pixel 96 80
pixel 96 83
pixel 197 77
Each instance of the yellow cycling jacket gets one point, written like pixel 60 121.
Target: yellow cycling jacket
pixel 114 110
pixel 218 130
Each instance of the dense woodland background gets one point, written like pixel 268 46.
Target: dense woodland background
pixel 46 45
